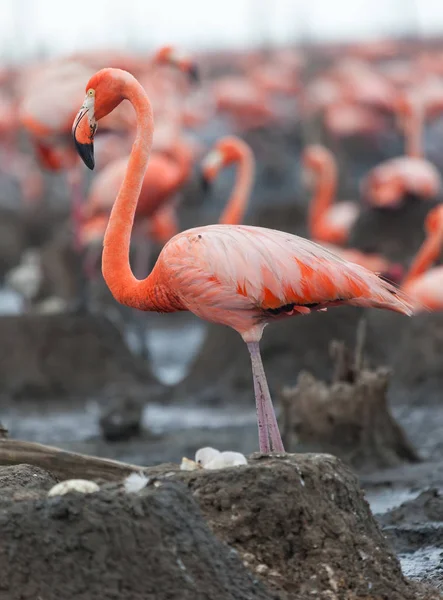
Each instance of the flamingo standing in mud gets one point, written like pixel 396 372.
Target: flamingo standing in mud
pixel 327 222
pixel 422 284
pixel 240 276
pixel 388 184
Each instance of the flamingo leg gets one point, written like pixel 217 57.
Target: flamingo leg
pixel 268 431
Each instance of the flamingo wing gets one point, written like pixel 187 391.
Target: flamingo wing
pixel 259 273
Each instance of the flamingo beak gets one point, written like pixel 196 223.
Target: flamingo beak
pixel 210 167
pixel 83 131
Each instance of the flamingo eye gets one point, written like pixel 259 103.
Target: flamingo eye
pixel 91 92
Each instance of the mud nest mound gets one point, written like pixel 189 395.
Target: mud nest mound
pixel 64 354
pixel 349 417
pixel 298 523
pixel 111 544
pixel 301 522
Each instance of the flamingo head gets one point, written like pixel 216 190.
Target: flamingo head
pixel 316 160
pixel 314 157
pixel 226 151
pixel 104 92
pixel 168 55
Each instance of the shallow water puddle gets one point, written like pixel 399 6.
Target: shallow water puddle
pixel 160 419
pixel 421 563
pixel 11 303
pixel 384 499
pixel 173 351
pixel 50 425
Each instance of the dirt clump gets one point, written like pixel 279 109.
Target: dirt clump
pixel 303 525
pixel 23 481
pixel 349 417
pixel 112 544
pixel 64 354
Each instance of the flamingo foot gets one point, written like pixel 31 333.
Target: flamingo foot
pixel 268 431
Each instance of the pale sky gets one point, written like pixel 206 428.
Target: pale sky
pixel 27 26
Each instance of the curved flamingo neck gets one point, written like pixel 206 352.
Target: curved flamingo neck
pixel 426 256
pixel 116 268
pixel 235 209
pixel 324 194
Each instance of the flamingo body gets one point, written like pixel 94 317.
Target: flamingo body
pixel 328 222
pixel 387 184
pixel 244 277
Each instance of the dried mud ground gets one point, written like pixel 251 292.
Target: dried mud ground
pixel 405 500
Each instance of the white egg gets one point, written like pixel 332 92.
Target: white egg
pixel 83 486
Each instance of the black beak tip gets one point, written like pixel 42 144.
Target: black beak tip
pixel 86 153
pixel 194 74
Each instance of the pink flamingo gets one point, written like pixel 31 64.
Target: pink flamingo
pixel 389 183
pixel 423 285
pixel 327 222
pixel 232 150
pixel 239 276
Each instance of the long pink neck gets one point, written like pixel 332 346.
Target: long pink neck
pixel 426 256
pixel 238 202
pixel 116 268
pixel 324 194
